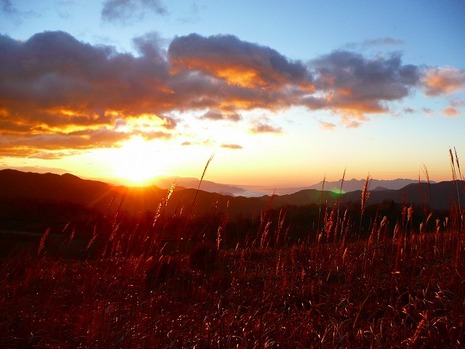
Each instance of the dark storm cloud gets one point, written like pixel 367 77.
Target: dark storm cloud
pixel 355 84
pixel 127 10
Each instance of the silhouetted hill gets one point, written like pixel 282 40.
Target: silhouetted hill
pixel 357 184
pixel 437 196
pixel 166 182
pixel 68 189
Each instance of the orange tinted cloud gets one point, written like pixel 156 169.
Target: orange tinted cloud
pixel 451 112
pixel 327 125
pixel 263 126
pixel 443 80
pixel 231 146
pixel 57 92
pixel 237 62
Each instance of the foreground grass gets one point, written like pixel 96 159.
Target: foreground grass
pixel 403 292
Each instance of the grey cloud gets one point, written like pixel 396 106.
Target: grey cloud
pixel 409 110
pixel 370 43
pixel 7 7
pixel 352 82
pixel 52 73
pixel 12 13
pixel 217 115
pixel 237 62
pixel 127 10
pixel 150 45
pixel 263 126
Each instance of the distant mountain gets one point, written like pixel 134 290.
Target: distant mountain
pixel 437 196
pixel 212 187
pixel 66 188
pixel 357 184
pixel 17 187
pixel 335 186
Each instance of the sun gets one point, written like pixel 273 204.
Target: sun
pixel 137 162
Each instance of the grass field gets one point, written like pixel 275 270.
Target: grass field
pixel 335 278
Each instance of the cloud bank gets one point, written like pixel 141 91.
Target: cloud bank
pixel 57 92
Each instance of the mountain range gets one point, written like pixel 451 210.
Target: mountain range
pixel 257 191
pixel 24 187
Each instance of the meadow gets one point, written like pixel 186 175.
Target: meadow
pixel 325 276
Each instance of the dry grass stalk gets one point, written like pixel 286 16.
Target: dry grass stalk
pixel 42 241
pixel 364 198
pixel 342 181
pixel 321 202
pixel 454 175
pixel 94 237
pixel 365 193
pixel 201 179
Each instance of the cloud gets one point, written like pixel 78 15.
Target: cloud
pixel 384 41
pixel 443 80
pixel 217 115
pixel 262 126
pixel 327 125
pixel 55 80
pixel 7 7
pixel 351 84
pixel 232 146
pixel 12 13
pixel 457 103
pixel 451 112
pixel 28 144
pixel 56 143
pixel 409 110
pixel 237 62
pixel 128 10
pixel 57 92
pixel 454 108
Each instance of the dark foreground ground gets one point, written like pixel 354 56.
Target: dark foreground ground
pixel 381 292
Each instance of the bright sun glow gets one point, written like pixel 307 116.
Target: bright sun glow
pixel 136 162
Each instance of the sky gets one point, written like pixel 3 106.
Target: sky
pixel 280 93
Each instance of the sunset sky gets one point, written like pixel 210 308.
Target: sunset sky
pixel 283 93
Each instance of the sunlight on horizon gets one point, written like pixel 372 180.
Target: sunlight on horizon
pixel 136 162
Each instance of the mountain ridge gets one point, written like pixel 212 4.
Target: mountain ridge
pixel 106 197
